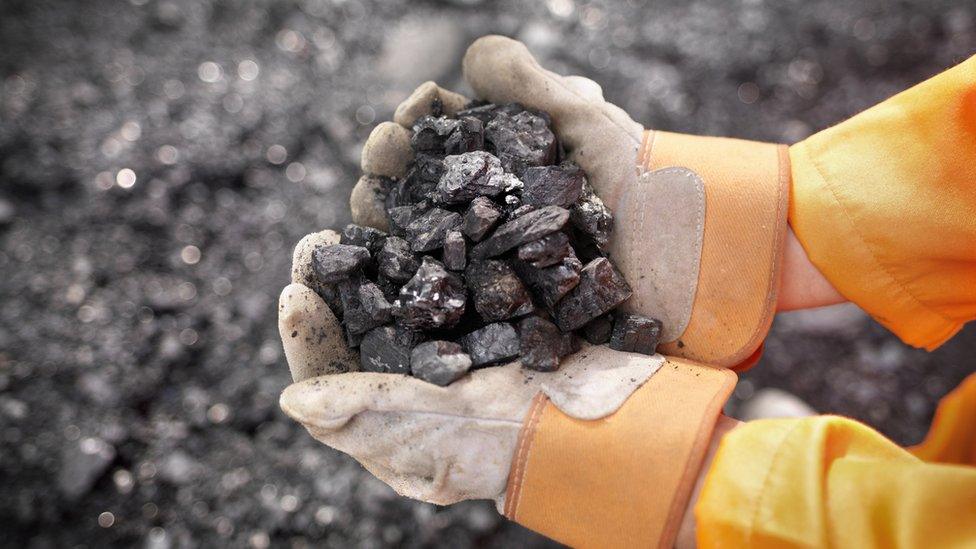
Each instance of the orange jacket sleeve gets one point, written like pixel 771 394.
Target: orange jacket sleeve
pixel 885 206
pixel 832 482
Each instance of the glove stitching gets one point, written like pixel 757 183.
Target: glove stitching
pixel 523 452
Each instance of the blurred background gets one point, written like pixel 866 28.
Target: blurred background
pixel 160 158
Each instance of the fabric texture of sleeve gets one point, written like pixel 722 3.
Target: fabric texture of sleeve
pixel 885 206
pixel 829 481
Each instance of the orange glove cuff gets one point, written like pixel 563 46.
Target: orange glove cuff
pixel 624 480
pixel 747 187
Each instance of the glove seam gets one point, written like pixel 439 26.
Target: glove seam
pixel 522 454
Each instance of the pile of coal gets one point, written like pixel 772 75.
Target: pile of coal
pixel 496 252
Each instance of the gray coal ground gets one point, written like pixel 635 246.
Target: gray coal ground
pixel 159 159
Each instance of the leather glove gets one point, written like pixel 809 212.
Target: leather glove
pixel 699 222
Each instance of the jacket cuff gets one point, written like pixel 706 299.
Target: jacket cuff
pixel 830 225
pixel 624 480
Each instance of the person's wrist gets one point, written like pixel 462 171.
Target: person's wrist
pixel 686 532
pixel 802 285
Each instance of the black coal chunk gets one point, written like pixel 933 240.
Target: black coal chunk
pixel 430 133
pixel 427 232
pixel 484 112
pixel 531 226
pixel 600 289
pixel 396 260
pixel 592 217
pixel 550 284
pixel 375 304
pixel 385 350
pixel 493 344
pixel 338 262
pixel 546 251
pixel 421 179
pixel 598 330
pixel 439 362
pixel 433 298
pixel 521 140
pixel 497 292
pixel 541 344
pixel 467 137
pixel 454 251
pixel 401 217
pixel 366 237
pixel 358 317
pixel 553 185
pixel 481 216
pixel 470 175
pixel 636 334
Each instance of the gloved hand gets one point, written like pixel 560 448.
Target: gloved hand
pixel 699 222
pixel 606 448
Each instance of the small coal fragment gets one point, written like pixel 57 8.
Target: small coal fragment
pixel 470 175
pixel 481 216
pixel 601 288
pixel 550 284
pixel 521 210
pixel 541 344
pixel 484 112
pixel 592 217
pixel 402 216
pixel 396 260
pixel 427 232
pixel 430 133
pixel 598 330
pixel 553 185
pixel 493 344
pixel 531 226
pixel 375 304
pixel 421 179
pixel 356 318
pixel 366 237
pixel 384 350
pixel 439 362
pixel 433 298
pixel 454 251
pixel 338 262
pixel 467 137
pixel 636 334
pixel 497 291
pixel 546 251
pixel 390 288
pixel 521 140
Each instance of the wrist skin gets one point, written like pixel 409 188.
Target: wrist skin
pixel 802 285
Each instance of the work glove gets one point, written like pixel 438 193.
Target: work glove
pixel 699 222
pixel 603 452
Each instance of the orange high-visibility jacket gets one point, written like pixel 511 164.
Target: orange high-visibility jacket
pixel 885 206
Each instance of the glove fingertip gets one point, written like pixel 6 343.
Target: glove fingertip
pixel 387 151
pixel 311 336
pixel 367 204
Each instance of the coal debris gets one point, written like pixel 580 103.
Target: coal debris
pixel 439 362
pixel 498 293
pixel 480 218
pixel 636 334
pixel 433 298
pixel 546 251
pixel 338 262
pixel 483 264
pixel 493 344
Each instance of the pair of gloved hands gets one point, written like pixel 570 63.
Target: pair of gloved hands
pixel 699 229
